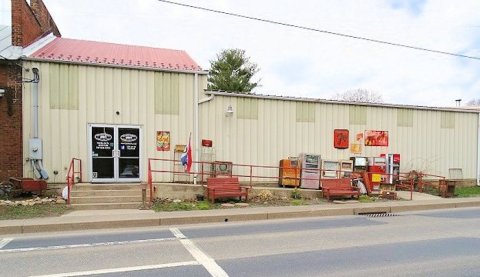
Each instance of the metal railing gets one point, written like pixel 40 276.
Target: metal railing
pixel 250 175
pixel 72 175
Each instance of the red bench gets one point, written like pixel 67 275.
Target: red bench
pixel 339 187
pixel 224 188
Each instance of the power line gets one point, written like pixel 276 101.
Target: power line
pixel 321 31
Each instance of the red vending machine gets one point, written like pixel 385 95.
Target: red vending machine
pixel 392 167
pixel 376 171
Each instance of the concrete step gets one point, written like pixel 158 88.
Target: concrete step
pixel 105 199
pixel 89 187
pixel 107 206
pixel 84 193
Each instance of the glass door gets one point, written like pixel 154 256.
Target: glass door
pixel 115 153
pixel 129 153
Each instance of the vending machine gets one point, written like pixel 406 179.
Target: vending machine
pixel 346 168
pixel 289 172
pixel 392 167
pixel 360 164
pixel 330 169
pixel 310 171
pixel 376 171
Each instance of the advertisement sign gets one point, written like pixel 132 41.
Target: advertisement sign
pixel 376 138
pixel 163 141
pixel 340 138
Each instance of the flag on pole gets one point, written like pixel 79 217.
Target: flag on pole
pixel 186 157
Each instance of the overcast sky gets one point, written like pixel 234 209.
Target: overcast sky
pixel 302 63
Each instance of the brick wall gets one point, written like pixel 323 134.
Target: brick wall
pixel 30 23
pixel 11 121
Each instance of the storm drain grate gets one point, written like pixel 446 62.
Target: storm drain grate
pixel 378 214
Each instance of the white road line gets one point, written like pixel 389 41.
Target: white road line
pixel 120 270
pixel 59 247
pixel 4 242
pixel 210 265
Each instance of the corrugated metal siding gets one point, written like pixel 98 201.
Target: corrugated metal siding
pixel 419 136
pixel 102 92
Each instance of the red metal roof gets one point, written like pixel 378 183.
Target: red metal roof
pixel 111 54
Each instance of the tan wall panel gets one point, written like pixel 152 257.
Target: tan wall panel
pixel 103 92
pixel 276 135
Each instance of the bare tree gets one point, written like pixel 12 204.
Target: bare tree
pixel 474 102
pixel 359 95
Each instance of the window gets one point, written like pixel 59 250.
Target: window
pixel 404 118
pixel 247 108
pixel 167 92
pixel 305 112
pixel 358 115
pixel 63 84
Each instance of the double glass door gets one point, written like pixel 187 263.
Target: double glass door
pixel 115 153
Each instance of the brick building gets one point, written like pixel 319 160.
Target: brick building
pixel 28 24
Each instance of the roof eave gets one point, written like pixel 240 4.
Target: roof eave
pixel 200 72
pixel 326 101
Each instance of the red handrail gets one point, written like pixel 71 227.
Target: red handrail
pixel 71 174
pixel 405 182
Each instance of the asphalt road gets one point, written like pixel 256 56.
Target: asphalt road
pixel 435 243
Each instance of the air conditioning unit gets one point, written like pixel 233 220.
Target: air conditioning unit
pixel 222 168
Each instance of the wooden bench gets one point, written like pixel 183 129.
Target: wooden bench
pixel 224 188
pixel 339 187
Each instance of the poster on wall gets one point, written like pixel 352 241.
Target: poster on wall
pixel 163 141
pixel 376 138
pixel 356 148
pixel 340 138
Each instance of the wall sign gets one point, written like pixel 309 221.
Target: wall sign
pixel 376 138
pixel 340 138
pixel 163 140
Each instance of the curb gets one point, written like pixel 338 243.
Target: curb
pixel 217 216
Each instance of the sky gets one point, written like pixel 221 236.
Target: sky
pixel 303 63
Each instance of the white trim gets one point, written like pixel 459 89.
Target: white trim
pixel 116 178
pixel 37 45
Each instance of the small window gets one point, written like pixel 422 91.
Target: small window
pixel 358 115
pixel 404 118
pixel 166 93
pixel 305 112
pixel 447 120
pixel 247 108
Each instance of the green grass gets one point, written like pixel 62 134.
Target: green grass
pixel 467 191
pixel 365 199
pixel 168 206
pixel 24 212
pixel 297 202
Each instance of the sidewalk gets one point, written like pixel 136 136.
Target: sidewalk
pixel 103 219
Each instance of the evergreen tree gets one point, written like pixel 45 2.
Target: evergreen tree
pixel 232 71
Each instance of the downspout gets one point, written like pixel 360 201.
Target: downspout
pixel 195 127
pixel 478 150
pixel 35 143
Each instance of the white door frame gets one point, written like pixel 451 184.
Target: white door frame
pixel 115 154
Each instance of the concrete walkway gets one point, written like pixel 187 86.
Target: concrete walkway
pixel 104 219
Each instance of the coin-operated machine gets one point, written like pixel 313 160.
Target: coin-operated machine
pixel 392 167
pixel 376 172
pixel 360 164
pixel 289 172
pixel 310 171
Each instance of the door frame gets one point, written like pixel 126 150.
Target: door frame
pixel 116 158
